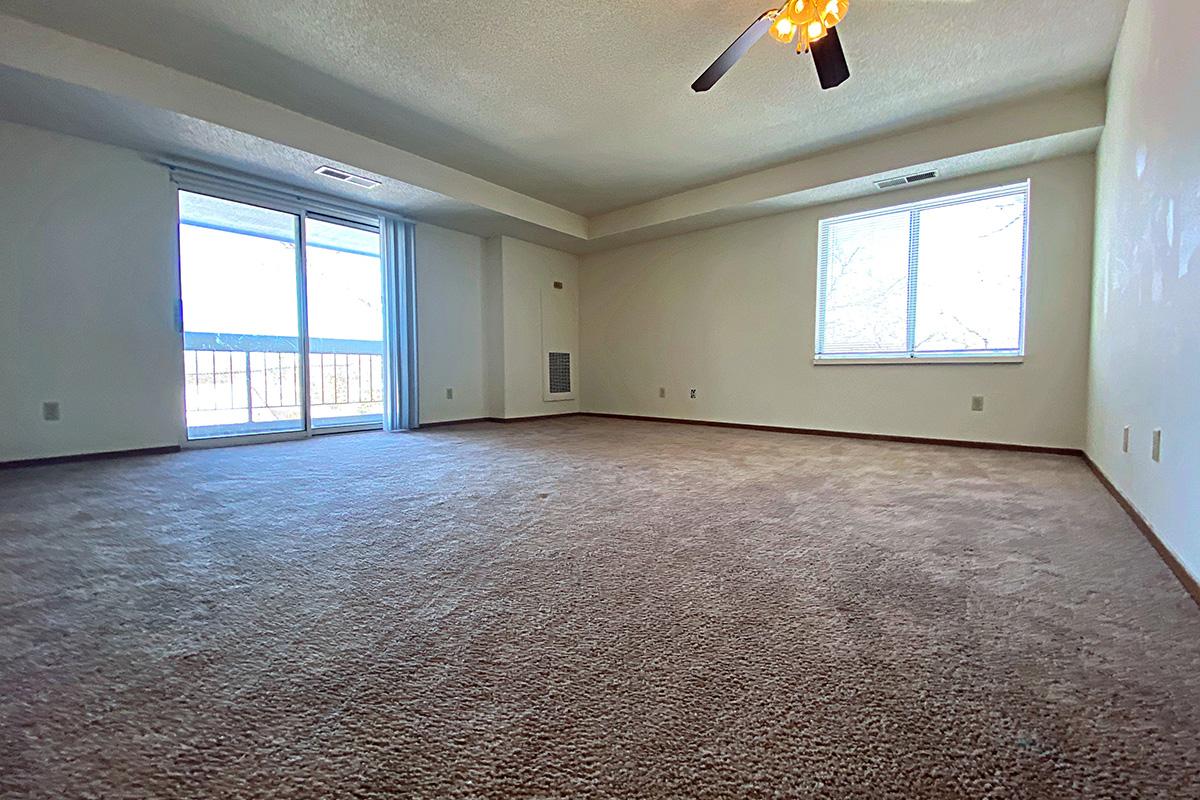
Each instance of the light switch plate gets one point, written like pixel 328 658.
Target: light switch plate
pixel 1156 444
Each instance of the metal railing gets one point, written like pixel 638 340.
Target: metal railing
pixel 245 382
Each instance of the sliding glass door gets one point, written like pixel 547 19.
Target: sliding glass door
pixel 345 323
pixel 238 273
pixel 282 320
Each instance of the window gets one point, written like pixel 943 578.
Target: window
pixel 938 280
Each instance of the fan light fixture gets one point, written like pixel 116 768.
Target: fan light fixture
pixel 807 21
pixel 811 24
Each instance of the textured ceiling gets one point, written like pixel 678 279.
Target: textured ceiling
pixel 587 105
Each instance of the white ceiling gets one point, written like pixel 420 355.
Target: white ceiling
pixel 587 105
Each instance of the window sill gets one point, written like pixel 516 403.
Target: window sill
pixel 851 361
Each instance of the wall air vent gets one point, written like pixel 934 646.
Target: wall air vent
pixel 904 180
pixel 559 373
pixel 347 177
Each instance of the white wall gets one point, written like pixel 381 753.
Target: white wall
pixel 527 269
pixel 1145 357
pixel 450 340
pixel 731 311
pixel 87 288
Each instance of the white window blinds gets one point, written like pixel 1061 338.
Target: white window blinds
pixel 943 278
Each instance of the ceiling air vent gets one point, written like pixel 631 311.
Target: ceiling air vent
pixel 346 177
pixel 904 180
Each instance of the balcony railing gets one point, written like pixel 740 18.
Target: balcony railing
pixel 243 383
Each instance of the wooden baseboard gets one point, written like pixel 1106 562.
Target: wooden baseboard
pixel 445 422
pixel 41 462
pixel 532 418
pixel 882 437
pixel 1189 582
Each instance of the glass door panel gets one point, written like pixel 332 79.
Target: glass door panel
pixel 345 324
pixel 241 329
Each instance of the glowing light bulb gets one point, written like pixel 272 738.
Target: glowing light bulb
pixel 833 12
pixel 784 29
pixel 811 31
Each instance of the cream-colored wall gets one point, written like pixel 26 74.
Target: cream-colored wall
pixel 450 338
pixel 87 289
pixel 731 312
pixel 1145 356
pixel 527 269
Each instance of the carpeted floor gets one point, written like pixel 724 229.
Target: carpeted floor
pixel 588 608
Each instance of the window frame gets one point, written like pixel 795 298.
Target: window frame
pixel 1004 356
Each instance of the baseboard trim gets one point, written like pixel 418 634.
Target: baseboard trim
pixel 1189 582
pixel 882 437
pixel 534 417
pixel 71 459
pixel 444 422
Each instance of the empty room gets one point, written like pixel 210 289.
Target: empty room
pixel 610 400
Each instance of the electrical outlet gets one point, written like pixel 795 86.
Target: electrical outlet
pixel 51 411
pixel 977 402
pixel 449 393
pixel 662 391
pixel 1125 440
pixel 692 393
pixel 1156 444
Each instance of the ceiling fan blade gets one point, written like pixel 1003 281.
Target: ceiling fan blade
pixel 735 51
pixel 832 69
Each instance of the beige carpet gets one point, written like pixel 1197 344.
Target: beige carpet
pixel 588 608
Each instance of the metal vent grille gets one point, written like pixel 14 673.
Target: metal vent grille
pixel 921 176
pixel 560 372
pixel 888 183
pixel 346 177
pixel 904 180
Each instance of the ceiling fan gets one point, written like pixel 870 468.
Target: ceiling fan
pixel 811 23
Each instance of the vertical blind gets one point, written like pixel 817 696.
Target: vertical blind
pixel 942 278
pixel 400 411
